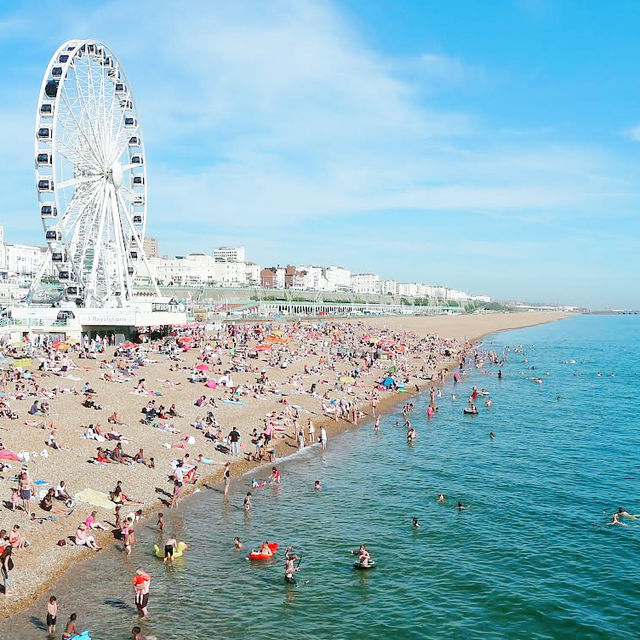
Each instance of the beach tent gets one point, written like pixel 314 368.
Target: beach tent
pixel 388 382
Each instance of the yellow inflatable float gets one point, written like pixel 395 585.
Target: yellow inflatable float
pixel 177 552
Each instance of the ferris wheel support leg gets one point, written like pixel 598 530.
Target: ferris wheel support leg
pixel 143 254
pixel 36 281
pixel 146 264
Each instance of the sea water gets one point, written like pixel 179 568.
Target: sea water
pixel 533 556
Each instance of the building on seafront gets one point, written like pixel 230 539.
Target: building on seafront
pixel 21 261
pixel 228 267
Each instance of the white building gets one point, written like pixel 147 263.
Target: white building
pixel 252 273
pixel 197 269
pixel 389 287
pixel 22 261
pixel 338 278
pixel 407 289
pixel 365 283
pixel 229 254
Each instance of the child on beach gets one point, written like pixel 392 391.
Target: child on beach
pixel 15 499
pixel 70 628
pixel 160 523
pixel 52 613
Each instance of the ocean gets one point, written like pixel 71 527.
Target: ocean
pixel 533 556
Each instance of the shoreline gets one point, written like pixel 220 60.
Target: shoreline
pixel 283 445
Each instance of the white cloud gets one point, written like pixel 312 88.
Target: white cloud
pixel 634 133
pixel 274 112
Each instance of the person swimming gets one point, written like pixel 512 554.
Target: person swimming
pixel 615 519
pixel 317 486
pixel 461 507
pixel 416 524
pixel 237 543
pixel 441 498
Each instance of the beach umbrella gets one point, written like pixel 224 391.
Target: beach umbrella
pixel 202 367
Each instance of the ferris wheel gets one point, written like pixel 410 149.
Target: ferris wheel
pixel 91 177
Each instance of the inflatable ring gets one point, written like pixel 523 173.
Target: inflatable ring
pixel 177 552
pixel 256 555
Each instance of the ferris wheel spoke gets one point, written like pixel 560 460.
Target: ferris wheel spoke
pixel 87 136
pixel 72 182
pixel 72 154
pixel 81 202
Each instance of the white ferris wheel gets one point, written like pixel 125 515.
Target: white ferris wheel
pixel 91 178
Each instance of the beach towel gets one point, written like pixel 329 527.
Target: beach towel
pixel 232 401
pixel 95 498
pixel 5 454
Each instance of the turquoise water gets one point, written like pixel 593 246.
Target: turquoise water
pixel 533 557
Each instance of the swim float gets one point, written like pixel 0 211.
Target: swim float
pixel 256 555
pixel 177 552
pixel 82 636
pixel 363 567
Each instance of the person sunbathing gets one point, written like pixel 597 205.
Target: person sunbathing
pixel 114 419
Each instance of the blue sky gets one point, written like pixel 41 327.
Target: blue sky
pixel 488 146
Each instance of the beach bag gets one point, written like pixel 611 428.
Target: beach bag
pixel 62 543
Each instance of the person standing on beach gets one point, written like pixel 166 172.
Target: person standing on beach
pixel 25 487
pixel 323 437
pixel 52 614
pixel 311 431
pixel 141 588
pixel 175 498
pixel 234 439
pixel 6 564
pixel 246 505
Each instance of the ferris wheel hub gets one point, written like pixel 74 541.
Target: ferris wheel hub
pixel 115 175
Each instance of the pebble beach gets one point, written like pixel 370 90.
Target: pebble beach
pixel 252 375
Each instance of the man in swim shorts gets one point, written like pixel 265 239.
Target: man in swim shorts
pixel 169 548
